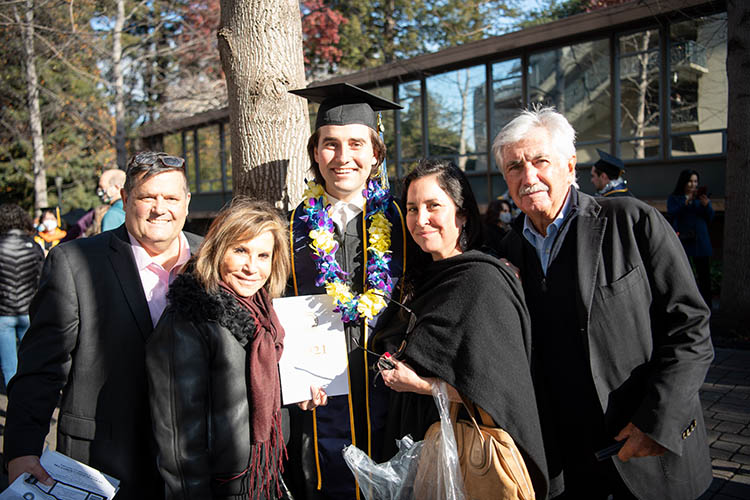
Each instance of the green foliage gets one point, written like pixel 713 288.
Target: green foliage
pixel 75 119
pixel 381 31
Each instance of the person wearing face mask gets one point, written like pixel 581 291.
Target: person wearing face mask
pixel 49 232
pixel 496 223
pixel 110 184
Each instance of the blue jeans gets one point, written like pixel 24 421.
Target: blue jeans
pixel 12 329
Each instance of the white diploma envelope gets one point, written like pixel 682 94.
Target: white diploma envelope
pixel 314 347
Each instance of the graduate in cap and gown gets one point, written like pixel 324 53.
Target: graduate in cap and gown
pixel 606 176
pixel 347 240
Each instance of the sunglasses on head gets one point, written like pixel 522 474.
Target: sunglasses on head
pixel 166 160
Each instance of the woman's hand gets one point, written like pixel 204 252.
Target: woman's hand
pixel 319 398
pixel 703 199
pixel 403 378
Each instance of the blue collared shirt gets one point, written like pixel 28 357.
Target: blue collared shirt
pixel 543 244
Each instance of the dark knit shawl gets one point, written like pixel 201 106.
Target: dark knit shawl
pixel 473 331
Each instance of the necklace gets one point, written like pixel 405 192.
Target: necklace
pixel 378 284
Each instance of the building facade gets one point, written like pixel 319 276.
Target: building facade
pixel 645 81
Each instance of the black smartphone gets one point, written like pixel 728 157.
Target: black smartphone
pixel 609 451
pixel 702 191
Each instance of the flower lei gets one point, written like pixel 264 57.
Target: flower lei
pixel 352 306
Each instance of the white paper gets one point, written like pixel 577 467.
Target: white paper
pixel 73 481
pixel 314 347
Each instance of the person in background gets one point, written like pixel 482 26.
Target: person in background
pixel 212 362
pixel 111 183
pixel 496 223
pixel 472 327
pixel 607 176
pixel 691 212
pixel 620 334
pixel 347 240
pixel 98 301
pixel 21 262
pixel 49 234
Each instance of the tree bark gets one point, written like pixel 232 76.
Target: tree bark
pixel 260 43
pixel 35 115
pixel 119 86
pixel 735 292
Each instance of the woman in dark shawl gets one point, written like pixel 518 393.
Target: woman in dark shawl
pixel 472 327
pixel 212 363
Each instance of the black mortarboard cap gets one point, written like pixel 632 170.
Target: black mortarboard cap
pixel 344 104
pixel 610 165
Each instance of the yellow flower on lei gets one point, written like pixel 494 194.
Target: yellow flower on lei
pixel 370 303
pixel 380 233
pixel 322 240
pixel 339 291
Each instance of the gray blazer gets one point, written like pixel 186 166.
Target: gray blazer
pixel 89 325
pixel 648 339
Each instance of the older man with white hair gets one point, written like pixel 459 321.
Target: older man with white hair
pixel 620 333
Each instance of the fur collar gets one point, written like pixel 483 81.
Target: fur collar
pixel 187 297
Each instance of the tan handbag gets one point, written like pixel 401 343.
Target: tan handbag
pixel 491 464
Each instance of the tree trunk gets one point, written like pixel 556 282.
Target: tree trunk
pixel 35 116
pixel 735 292
pixel 260 43
pixel 389 31
pixel 119 86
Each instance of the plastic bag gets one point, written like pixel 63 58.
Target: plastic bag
pixel 425 470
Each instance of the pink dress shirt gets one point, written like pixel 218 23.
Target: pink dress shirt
pixel 154 278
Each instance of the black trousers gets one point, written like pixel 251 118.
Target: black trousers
pixel 703 277
pixel 594 481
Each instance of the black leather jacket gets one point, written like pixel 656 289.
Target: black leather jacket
pixel 21 262
pixel 196 366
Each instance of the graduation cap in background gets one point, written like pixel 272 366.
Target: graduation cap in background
pixel 345 104
pixel 610 165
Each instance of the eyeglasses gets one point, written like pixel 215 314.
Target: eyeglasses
pixel 149 159
pixel 385 363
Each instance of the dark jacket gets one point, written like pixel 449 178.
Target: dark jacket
pixel 647 337
pixel 89 326
pixel 361 414
pixel 196 365
pixel 21 262
pixel 691 221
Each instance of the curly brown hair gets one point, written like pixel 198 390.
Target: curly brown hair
pixel 14 217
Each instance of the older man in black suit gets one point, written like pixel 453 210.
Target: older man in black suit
pixel 98 301
pixel 619 331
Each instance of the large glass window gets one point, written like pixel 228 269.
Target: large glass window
pixel 575 80
pixel 228 153
pixel 210 159
pixel 638 66
pixel 456 114
pixel 507 93
pixel 189 148
pixel 410 121
pixel 698 85
pixel 173 144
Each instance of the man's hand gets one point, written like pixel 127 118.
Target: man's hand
pixel 30 464
pixel 638 444
pixel 318 398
